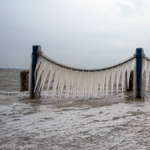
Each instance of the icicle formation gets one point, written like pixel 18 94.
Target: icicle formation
pixel 65 83
pixel 147 73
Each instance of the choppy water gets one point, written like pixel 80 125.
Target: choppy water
pixel 9 80
pixel 119 122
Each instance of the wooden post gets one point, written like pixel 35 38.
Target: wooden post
pixel 35 52
pixel 24 80
pixel 138 77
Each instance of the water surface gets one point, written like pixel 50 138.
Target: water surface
pixel 117 122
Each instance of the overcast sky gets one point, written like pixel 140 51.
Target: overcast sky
pixel 80 33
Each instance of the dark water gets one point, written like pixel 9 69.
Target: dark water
pixel 9 80
pixel 118 122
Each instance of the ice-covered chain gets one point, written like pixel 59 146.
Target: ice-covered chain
pixel 85 70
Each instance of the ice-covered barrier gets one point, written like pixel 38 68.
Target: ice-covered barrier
pixel 61 81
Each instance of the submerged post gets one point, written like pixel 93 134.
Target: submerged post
pixel 35 51
pixel 138 79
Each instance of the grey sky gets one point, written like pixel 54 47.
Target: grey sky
pixel 80 33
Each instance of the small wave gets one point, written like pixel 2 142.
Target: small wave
pixel 13 94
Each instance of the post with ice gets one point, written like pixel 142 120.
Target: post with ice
pixel 36 49
pixel 139 89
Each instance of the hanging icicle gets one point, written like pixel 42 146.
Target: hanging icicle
pixel 118 77
pixel 113 79
pixel 63 82
pixel 147 73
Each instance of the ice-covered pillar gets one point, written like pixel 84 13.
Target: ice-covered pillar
pixel 139 90
pixel 36 49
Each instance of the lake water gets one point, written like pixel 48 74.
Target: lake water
pixel 118 122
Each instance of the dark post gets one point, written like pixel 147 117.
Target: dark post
pixel 131 81
pixel 24 80
pixel 33 66
pixel 138 80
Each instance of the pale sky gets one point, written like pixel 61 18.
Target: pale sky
pixel 79 33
